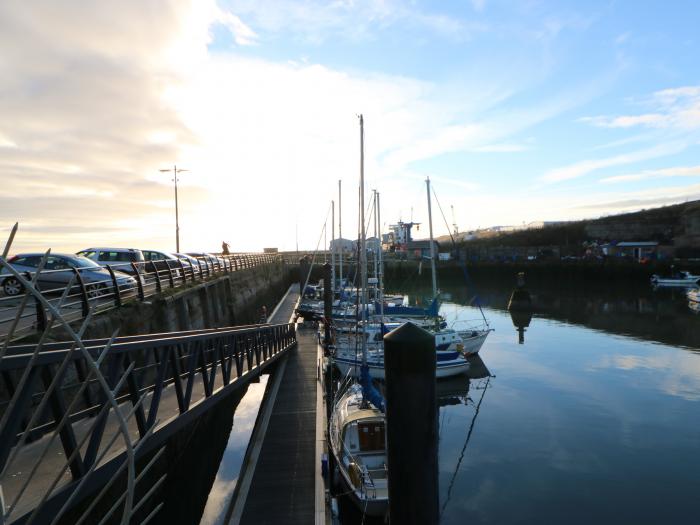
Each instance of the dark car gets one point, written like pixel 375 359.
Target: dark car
pixel 162 261
pixel 58 272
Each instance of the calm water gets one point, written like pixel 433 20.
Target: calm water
pixel 595 418
pixel 219 499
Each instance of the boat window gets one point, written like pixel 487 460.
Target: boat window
pixel 371 436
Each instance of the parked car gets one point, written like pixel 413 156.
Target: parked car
pixel 212 260
pixel 118 258
pixel 58 272
pixel 163 261
pixel 188 259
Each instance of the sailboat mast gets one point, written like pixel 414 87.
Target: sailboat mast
pixel 374 252
pixel 432 246
pixel 363 244
pixel 381 262
pixel 340 236
pixel 332 283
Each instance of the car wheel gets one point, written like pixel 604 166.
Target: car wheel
pixel 94 291
pixel 12 286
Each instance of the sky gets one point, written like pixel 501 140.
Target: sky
pixel 518 111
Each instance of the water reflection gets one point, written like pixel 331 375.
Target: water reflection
pixel 588 425
pixel 521 320
pixel 229 469
pixel 662 315
pixel 204 461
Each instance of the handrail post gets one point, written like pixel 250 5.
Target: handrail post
pixel 40 311
pixel 182 269
pixel 117 293
pixel 170 274
pixel 155 270
pixel 139 282
pixel 83 292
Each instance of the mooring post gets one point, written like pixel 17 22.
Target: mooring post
pixel 520 298
pixel 327 305
pixel 411 425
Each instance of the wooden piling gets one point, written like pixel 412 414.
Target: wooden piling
pixel 411 425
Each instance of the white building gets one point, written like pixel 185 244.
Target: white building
pixel 344 245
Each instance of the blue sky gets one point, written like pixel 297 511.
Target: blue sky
pixel 518 111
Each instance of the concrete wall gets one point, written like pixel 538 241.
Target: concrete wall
pixel 228 300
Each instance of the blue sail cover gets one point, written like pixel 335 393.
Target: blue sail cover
pixel 412 311
pixel 370 393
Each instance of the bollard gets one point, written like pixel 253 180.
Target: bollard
pixel 520 298
pixel 411 425
pixel 327 305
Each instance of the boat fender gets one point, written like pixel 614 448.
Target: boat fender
pixel 355 475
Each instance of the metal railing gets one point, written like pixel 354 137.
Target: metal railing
pixel 73 401
pixel 76 291
pixel 89 416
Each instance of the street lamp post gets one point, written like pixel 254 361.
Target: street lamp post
pixel 175 170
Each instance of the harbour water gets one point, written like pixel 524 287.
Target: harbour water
pixel 592 419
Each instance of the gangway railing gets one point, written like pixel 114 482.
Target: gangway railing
pixel 77 415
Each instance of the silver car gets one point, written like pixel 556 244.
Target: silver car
pixel 118 258
pixel 58 272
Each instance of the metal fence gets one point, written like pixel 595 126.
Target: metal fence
pixel 77 291
pixel 83 423
pixel 65 406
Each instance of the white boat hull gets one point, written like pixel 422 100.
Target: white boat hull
pixel 685 279
pixel 473 341
pixel 347 365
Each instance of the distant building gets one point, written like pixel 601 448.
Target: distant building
pixel 342 245
pixel 637 250
pixel 270 250
pixel 421 249
pixel 371 243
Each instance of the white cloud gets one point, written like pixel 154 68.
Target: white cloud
pixel 581 168
pixel 650 119
pixel 675 108
pixel 317 21
pixel 478 5
pixel 679 171
pixel 501 148
pixel 615 202
pixel 242 34
pixel 674 373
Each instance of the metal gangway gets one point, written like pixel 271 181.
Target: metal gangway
pixel 84 420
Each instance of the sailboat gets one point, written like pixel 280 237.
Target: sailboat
pixel 357 424
pixel 451 346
